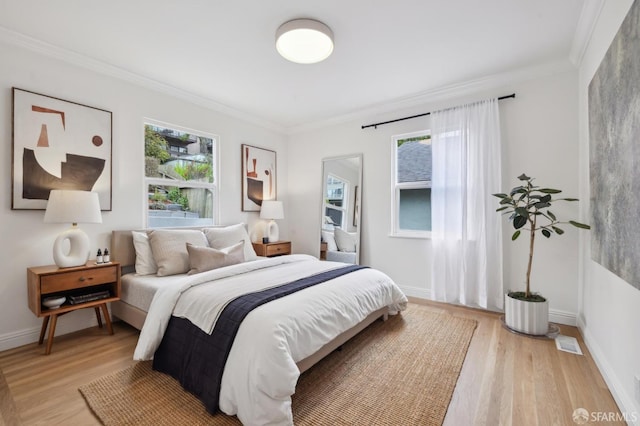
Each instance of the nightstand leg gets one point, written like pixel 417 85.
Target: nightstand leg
pixel 52 332
pixel 105 312
pixel 45 322
pixel 98 317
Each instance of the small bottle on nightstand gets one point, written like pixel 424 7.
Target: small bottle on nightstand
pixel 99 256
pixel 105 257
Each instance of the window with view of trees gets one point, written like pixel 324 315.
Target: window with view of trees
pixel 412 184
pixel 180 176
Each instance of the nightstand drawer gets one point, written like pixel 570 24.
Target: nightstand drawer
pixel 278 248
pixel 73 280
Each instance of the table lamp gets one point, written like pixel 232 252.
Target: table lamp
pixel 67 206
pixel 272 210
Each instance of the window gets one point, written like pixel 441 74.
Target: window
pixel 411 185
pixel 180 177
pixel 335 205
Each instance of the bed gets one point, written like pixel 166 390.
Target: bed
pixel 275 343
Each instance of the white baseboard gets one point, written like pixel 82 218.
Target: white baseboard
pixel 563 317
pixel 421 293
pixel 31 335
pixel 555 315
pixel 625 401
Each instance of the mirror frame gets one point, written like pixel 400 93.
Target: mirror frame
pixel 357 200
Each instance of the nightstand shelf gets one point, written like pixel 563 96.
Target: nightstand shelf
pixel 277 248
pixel 49 281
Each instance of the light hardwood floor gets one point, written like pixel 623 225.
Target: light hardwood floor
pixel 506 379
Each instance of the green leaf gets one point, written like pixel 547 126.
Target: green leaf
pixel 545 199
pixel 500 195
pixel 579 225
pixel 546 233
pixel 558 230
pixel 524 177
pixel 549 191
pixel 506 201
pixel 502 208
pixel 518 190
pixel 541 205
pixel 515 235
pixel 551 215
pixel 519 221
pixel 568 199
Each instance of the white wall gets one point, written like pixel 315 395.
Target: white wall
pixel 609 306
pixel 27 241
pixel 540 131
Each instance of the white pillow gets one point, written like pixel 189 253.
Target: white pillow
pixel 328 238
pixel 169 247
pixel 344 240
pixel 145 265
pixel 225 236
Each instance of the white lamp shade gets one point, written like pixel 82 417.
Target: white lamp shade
pixel 304 41
pixel 271 209
pixel 66 206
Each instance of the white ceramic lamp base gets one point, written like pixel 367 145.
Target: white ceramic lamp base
pixel 78 248
pixel 273 232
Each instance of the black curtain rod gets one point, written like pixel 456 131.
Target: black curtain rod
pixel 375 125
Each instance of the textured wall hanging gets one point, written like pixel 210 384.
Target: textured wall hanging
pixel 614 151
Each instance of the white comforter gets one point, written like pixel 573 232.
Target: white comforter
pixel 261 373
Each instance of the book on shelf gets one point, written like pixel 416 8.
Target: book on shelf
pixel 89 297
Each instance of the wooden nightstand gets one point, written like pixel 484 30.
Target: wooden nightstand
pixel 323 251
pixel 277 248
pixel 78 282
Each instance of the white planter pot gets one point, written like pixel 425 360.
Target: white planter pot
pixel 526 317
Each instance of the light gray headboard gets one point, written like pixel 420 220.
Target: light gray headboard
pixel 122 249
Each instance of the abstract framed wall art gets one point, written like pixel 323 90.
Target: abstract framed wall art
pixel 259 180
pixel 614 153
pixel 58 144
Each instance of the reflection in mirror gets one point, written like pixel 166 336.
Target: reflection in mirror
pixel 341 193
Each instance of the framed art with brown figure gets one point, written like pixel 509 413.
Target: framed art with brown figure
pixel 259 180
pixel 58 144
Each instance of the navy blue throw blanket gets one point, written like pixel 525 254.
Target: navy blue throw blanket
pixel 197 359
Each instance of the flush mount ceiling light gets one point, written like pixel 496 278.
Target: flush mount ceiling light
pixel 304 41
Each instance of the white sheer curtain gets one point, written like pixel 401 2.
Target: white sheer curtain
pixel 466 229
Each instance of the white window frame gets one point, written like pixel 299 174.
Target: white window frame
pixel 396 187
pixel 345 200
pixel 213 187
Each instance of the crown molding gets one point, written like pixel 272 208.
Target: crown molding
pixel 14 38
pixel 443 93
pixel 465 88
pixel 589 15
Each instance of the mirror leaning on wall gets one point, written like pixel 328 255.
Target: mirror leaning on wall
pixel 341 208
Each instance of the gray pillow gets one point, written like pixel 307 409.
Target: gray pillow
pixel 170 250
pixel 203 259
pixel 224 236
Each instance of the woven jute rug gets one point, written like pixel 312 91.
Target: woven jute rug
pixel 399 372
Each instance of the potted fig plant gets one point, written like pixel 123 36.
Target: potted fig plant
pixel 528 208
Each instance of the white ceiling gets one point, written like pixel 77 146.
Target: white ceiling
pixel 224 51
